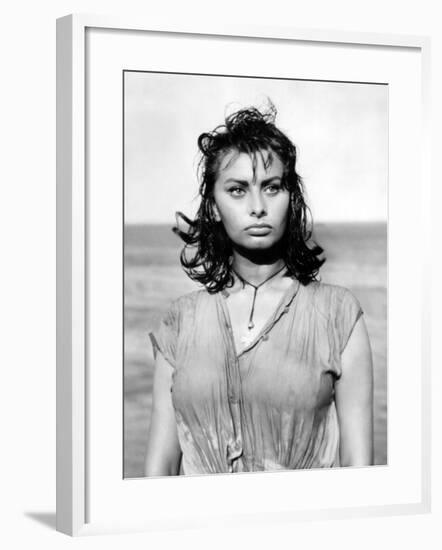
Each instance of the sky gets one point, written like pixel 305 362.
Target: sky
pixel 340 131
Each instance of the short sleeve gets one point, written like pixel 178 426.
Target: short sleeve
pixel 164 337
pixel 348 313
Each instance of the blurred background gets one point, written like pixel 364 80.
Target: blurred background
pixel 341 132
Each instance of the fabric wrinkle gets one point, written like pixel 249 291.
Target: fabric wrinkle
pixel 270 405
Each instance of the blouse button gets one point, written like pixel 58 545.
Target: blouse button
pixel 265 337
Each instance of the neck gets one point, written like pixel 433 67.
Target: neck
pixel 255 268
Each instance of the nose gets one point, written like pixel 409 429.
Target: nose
pixel 257 204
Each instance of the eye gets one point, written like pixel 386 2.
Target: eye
pixel 236 191
pixel 273 189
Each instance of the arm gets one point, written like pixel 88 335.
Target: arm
pixel 354 400
pixel 163 449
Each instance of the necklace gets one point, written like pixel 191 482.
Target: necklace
pixel 251 324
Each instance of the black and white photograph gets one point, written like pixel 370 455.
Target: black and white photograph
pixel 255 274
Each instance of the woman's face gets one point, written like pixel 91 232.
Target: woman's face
pixel 252 207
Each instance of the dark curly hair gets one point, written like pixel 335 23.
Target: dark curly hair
pixel 247 131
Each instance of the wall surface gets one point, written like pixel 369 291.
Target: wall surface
pixel 28 269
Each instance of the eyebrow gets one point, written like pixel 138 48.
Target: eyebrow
pixel 246 183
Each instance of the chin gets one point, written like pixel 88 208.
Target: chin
pixel 260 243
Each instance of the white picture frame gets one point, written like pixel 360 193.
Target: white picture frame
pixel 92 496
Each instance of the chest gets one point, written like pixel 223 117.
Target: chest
pixel 286 367
pixel 278 372
pixel 249 313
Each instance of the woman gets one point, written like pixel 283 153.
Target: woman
pixel 264 368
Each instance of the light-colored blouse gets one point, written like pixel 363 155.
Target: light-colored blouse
pixel 271 405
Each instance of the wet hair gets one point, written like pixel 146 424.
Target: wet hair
pixel 252 132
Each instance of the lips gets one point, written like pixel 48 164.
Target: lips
pixel 259 226
pixel 259 229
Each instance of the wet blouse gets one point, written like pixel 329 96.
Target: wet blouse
pixel 269 406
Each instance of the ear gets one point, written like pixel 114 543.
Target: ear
pixel 216 212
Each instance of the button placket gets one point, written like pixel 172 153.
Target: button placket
pixel 234 391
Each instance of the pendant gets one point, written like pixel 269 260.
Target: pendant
pixel 251 325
